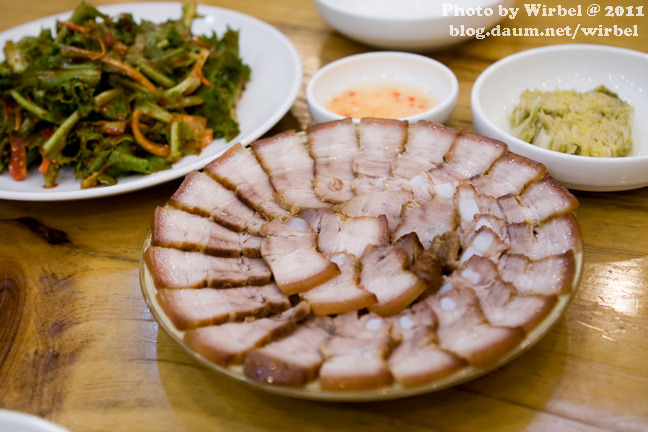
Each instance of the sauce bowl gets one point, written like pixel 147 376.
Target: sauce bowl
pixel 431 77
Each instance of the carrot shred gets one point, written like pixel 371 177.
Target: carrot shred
pixel 93 179
pixel 150 146
pixel 17 119
pixel 43 167
pixel 121 66
pixel 201 43
pixel 76 27
pixel 203 80
pixel 103 50
pixel 131 72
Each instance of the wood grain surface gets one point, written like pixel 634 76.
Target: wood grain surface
pixel 78 345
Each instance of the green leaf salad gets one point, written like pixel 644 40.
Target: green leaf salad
pixel 111 97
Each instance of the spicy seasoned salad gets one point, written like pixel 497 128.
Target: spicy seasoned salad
pixel 112 97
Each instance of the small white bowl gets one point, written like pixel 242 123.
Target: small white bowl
pixel 573 66
pixel 413 70
pixel 413 25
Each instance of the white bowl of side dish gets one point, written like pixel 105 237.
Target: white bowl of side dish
pixel 415 25
pixel 572 66
pixel 379 74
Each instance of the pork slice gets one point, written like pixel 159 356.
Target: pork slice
pixel 355 358
pixel 546 199
pixel 497 225
pixel 365 185
pixel 384 274
pixel 239 171
pixel 363 326
pixel 257 270
pixel 229 343
pixel 425 148
pixel 418 359
pixel 464 330
pixel 445 174
pixel 293 360
pixel 552 275
pixel 469 204
pixel 290 250
pixel 419 186
pixel 200 194
pixel 333 146
pixel 337 233
pixel 424 263
pixel 192 308
pixel 290 169
pixel 542 200
pixel 471 154
pixel 178 229
pixel 499 300
pixel 510 174
pixel 174 269
pixel 380 142
pixel 419 316
pixel 343 293
pixel 412 246
pixel 553 237
pixel 388 203
pixel 447 248
pixel 353 364
pixel 250 244
pixel 484 243
pixel 426 219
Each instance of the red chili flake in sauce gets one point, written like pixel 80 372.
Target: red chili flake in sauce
pixel 387 100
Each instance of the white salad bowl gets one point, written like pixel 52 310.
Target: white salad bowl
pixel 413 25
pixel 582 68
pixel 431 77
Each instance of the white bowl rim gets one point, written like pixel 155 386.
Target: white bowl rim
pixel 490 70
pixel 444 104
pixel 337 6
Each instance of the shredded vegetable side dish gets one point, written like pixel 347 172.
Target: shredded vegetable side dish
pixel 595 123
pixel 111 97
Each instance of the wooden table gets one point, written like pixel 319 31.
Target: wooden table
pixel 79 346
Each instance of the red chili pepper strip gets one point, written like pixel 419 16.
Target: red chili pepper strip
pixel 151 147
pixel 18 162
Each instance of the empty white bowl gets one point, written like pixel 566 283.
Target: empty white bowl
pixel 430 76
pixel 573 66
pixel 414 25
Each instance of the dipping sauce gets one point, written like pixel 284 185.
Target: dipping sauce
pixel 383 100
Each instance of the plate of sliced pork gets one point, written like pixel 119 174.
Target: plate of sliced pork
pixel 362 261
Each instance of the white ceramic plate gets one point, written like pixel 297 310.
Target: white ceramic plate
pixel 275 81
pixel 312 391
pixel 19 422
